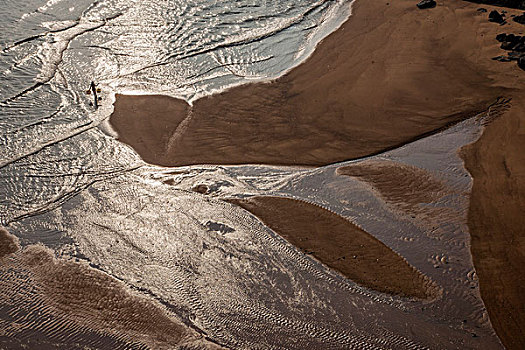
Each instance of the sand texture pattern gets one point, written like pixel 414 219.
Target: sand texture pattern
pixel 341 245
pixel 497 221
pixel 62 304
pixel 402 185
pixel 389 75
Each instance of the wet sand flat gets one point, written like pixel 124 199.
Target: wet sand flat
pixel 68 302
pixel 339 244
pixel 402 185
pixel 496 221
pixel 390 74
pixel 155 119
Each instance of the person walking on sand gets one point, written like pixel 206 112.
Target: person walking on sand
pixel 94 90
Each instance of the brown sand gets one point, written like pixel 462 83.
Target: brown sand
pixel 389 75
pixel 339 244
pixel 8 243
pixel 155 119
pixel 497 221
pixel 84 297
pixel 402 185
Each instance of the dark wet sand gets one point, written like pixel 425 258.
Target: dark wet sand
pixel 389 75
pixel 404 186
pixel 341 245
pixel 81 304
pixel 497 221
pixel 154 119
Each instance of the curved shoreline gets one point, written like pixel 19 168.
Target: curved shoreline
pixel 495 220
pixel 341 245
pixel 374 91
pixel 390 74
pixel 324 29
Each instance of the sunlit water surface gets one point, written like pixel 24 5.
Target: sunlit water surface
pixel 67 183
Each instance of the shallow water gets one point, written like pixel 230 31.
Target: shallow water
pixel 51 51
pixel 66 183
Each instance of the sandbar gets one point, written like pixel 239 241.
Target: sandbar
pixel 341 245
pixel 391 74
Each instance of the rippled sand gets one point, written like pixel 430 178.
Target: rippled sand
pixel 340 244
pixel 54 303
pixel 390 75
pixel 128 243
pixel 406 187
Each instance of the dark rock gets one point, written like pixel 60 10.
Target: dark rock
pixel 507 45
pixel 496 17
pixel 511 38
pixel 514 55
pixel 519 47
pixel 521 62
pixel 481 9
pixel 426 4
pixel 501 37
pixel 519 19
pixel 200 189
pixel 511 42
pixel 516 45
pixel 218 227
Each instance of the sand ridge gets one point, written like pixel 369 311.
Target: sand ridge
pixel 341 245
pixel 496 221
pixel 390 74
pixel 80 301
pixel 402 185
